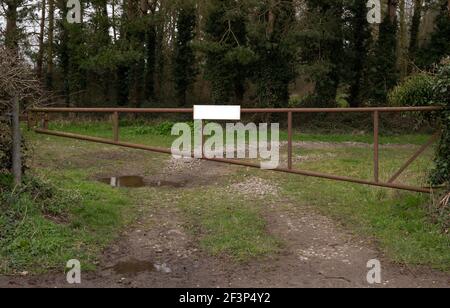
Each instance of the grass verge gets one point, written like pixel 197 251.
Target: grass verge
pixel 43 226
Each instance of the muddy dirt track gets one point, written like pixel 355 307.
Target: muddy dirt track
pixel 156 251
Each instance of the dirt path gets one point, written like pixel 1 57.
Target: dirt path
pixel 157 252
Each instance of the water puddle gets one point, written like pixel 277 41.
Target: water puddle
pixel 133 267
pixel 138 181
pixel 124 181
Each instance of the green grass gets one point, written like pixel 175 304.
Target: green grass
pixel 161 135
pixel 137 133
pixel 364 138
pixel 357 162
pixel 228 225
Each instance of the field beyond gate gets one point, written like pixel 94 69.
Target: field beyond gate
pixel 289 112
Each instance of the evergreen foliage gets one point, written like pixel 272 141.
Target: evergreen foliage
pixel 184 70
pixel 439 43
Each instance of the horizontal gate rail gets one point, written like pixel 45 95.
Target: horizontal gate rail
pixel 375 111
pixel 244 110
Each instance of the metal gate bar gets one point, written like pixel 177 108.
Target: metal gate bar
pixel 289 111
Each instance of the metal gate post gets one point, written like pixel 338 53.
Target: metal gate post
pixel 45 121
pixel 290 140
pixel 115 121
pixel 376 145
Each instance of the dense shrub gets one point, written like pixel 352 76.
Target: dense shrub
pixel 415 90
pixel 441 90
pixel 431 89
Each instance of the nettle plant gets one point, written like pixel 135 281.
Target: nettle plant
pixel 431 89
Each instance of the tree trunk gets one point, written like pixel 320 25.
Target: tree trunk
pixel 16 143
pixel 51 27
pixel 392 7
pixel 12 43
pixel 415 27
pixel 113 19
pixel 11 35
pixel 41 41
pixel 402 47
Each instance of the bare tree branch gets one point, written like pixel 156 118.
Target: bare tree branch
pixel 18 80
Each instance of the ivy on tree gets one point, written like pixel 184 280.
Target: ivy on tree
pixel 184 63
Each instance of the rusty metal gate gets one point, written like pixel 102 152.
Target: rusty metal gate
pixel 42 114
